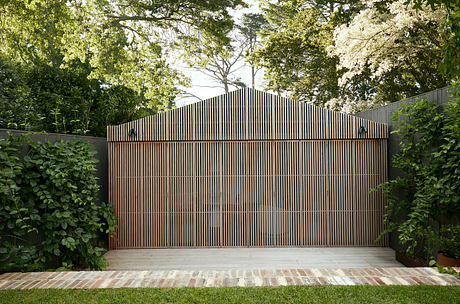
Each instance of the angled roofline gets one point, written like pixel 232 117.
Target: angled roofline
pixel 266 115
pixel 246 89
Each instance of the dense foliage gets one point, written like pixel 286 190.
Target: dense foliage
pixel 425 201
pixel 397 40
pixel 294 51
pixel 451 53
pixel 77 66
pixel 49 210
pixel 124 42
pixel 16 109
pixel 41 97
pixel 448 240
pixel 346 55
pixel 351 55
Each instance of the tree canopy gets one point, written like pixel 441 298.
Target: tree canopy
pixel 76 66
pixel 221 60
pixel 295 51
pixel 125 42
pixel 391 36
pixel 352 55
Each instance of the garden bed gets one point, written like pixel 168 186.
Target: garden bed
pixel 410 261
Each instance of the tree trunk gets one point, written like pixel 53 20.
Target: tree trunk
pixel 225 85
pixel 253 75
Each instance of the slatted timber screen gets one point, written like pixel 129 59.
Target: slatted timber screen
pixel 247 169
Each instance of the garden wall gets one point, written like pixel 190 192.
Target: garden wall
pixel 384 115
pixel 99 144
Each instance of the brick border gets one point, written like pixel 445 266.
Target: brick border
pixel 226 278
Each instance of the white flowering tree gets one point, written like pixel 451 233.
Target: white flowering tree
pixel 352 55
pixel 294 56
pixel 390 36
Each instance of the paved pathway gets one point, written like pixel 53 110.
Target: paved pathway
pixel 243 278
pixel 250 258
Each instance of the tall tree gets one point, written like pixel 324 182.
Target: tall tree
pixel 219 61
pixel 314 50
pixel 450 63
pixel 83 64
pixel 395 38
pixel 294 52
pixel 125 41
pixel 250 26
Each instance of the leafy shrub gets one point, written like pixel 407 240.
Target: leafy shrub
pixel 449 240
pixel 427 195
pixel 49 209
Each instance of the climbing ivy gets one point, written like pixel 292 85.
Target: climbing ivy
pixel 426 197
pixel 49 210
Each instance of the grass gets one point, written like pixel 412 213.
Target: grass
pixel 289 294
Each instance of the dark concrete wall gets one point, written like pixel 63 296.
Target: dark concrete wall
pixel 385 115
pixel 99 144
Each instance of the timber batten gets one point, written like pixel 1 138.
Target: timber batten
pixel 247 169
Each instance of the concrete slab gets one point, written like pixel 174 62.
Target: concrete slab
pixel 250 258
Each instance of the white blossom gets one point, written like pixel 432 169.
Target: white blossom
pixel 347 106
pixel 382 41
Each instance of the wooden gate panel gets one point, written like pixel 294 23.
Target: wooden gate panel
pixel 247 169
pixel 314 183
pixel 369 172
pixel 340 191
pixel 180 206
pixel 209 194
pixel 235 185
pixel 259 198
pixel 155 187
pixel 242 193
pixel 128 199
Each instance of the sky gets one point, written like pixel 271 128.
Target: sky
pixel 204 87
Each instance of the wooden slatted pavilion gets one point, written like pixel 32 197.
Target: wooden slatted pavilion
pixel 247 169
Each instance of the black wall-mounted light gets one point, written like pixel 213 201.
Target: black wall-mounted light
pixel 132 132
pixel 362 130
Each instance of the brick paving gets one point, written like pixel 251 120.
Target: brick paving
pixel 226 278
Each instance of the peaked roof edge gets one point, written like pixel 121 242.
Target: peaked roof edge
pixel 252 91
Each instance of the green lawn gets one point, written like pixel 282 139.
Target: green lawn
pixel 290 294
